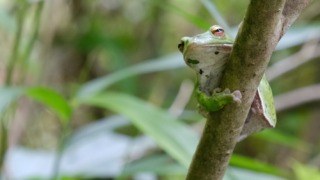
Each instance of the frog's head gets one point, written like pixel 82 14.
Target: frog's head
pixel 206 50
pixel 215 35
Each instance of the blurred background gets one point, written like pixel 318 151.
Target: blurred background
pixel 98 90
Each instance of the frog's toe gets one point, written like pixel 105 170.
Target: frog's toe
pixel 237 96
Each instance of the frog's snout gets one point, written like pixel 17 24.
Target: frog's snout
pixel 183 43
pixel 181 46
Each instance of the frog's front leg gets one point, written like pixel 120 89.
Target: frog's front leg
pixel 218 99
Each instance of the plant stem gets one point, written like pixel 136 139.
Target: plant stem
pixel 26 55
pixel 60 149
pixel 17 39
pixel 4 139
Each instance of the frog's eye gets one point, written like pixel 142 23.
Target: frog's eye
pixel 217 31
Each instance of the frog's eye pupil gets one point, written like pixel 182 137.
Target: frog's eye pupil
pixel 217 31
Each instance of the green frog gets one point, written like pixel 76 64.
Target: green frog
pixel 207 54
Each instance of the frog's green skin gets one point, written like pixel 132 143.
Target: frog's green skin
pixel 207 55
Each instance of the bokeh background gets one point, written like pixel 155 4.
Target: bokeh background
pixel 98 90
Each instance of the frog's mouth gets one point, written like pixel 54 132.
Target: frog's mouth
pixel 205 48
pixel 222 47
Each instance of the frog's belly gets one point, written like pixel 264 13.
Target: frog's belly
pixel 212 74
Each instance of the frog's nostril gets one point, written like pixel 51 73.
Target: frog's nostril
pixel 181 46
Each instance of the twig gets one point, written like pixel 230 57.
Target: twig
pixel 182 98
pixel 4 142
pixel 263 26
pixel 14 53
pixel 27 52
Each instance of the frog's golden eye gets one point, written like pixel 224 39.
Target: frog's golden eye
pixel 217 30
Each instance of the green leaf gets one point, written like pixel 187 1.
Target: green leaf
pixel 158 164
pixel 53 100
pixel 279 137
pixel 296 35
pixel 249 163
pixel 8 95
pixel 194 19
pixel 234 173
pixel 176 138
pixel 164 63
pixel 302 172
pixel 7 22
pixel 212 9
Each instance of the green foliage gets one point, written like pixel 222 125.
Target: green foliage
pixel 98 85
pixel 171 135
pixel 53 100
pixel 249 163
pixel 8 95
pixel 159 164
pixel 44 95
pixel 302 172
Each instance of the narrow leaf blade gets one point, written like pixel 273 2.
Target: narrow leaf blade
pixel 173 136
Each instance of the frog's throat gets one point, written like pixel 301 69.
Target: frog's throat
pixel 210 77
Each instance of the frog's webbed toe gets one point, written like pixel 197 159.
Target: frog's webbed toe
pixel 237 96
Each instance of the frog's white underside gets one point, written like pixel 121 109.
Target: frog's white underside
pixel 211 64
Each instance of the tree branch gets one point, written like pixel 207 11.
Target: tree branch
pixel 291 12
pixel 263 26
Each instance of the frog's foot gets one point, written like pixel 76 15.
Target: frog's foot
pixel 237 96
pixel 218 99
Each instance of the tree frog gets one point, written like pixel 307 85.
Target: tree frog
pixel 207 54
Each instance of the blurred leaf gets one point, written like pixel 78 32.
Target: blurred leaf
pixel 160 64
pixel 7 22
pixel 298 35
pixel 252 164
pixel 163 165
pixel 53 100
pixel 233 173
pixel 158 164
pixel 194 19
pixel 302 172
pixel 211 7
pixel 8 95
pixel 171 135
pixel 278 137
pixel 94 151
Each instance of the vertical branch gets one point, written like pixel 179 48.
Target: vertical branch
pixel 22 7
pixel 17 38
pixel 27 52
pixel 4 141
pixel 262 28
